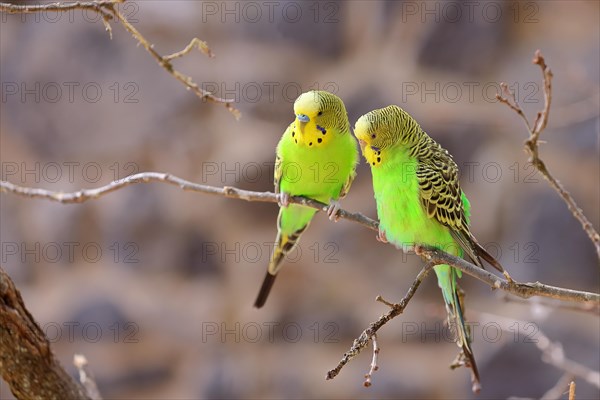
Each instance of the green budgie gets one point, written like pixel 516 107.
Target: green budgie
pixel 419 201
pixel 316 158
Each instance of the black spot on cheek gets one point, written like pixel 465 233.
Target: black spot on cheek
pixel 293 133
pixel 379 159
pixel 319 140
pixel 310 144
pixel 296 140
pixel 373 163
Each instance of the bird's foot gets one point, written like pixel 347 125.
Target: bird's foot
pixel 284 199
pixel 508 277
pixel 333 209
pixel 381 237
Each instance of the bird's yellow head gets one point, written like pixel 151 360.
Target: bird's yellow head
pixel 320 116
pixel 379 130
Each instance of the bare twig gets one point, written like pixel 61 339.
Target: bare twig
pixel 523 290
pixel 85 377
pixel 572 390
pixel 436 256
pixel 373 366
pixel 506 98
pixel 557 391
pixel 28 364
pixel 108 10
pixel 367 335
pixel 532 145
pixel 195 43
pixel 146 177
pixel 102 7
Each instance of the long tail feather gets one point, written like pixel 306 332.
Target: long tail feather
pixel 483 253
pixel 283 245
pixel 454 306
pixel 265 289
pixel 455 311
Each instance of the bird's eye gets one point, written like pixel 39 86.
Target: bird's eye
pixel 320 113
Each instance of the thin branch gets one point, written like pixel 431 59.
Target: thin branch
pixel 514 105
pixel 374 367
pixel 524 290
pixel 572 391
pixel 366 336
pixel 85 377
pixel 108 10
pixel 195 43
pixel 532 145
pixel 146 177
pixel 557 391
pixel 99 6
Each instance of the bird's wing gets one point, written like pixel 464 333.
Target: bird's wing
pixel 347 184
pixel 441 196
pixel 278 171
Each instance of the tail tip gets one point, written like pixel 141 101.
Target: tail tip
pixel 265 289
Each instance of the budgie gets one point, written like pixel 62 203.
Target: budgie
pixel 316 158
pixel 419 201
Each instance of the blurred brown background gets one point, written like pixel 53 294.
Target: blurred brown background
pixel 158 284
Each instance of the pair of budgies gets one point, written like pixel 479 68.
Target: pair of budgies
pixel 415 181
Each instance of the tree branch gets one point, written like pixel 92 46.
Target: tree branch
pixel 108 10
pixel 523 290
pixel 366 336
pixel 99 6
pixel 532 145
pixel 28 365
pixel 430 254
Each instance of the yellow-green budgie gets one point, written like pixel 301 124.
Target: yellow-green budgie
pixel 419 201
pixel 316 158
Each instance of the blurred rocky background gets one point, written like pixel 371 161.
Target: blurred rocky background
pixel 155 285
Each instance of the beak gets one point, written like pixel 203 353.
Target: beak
pixel 302 121
pixel 302 118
